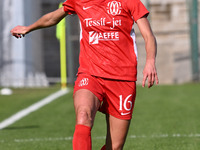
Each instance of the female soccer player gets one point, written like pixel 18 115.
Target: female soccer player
pixel 108 64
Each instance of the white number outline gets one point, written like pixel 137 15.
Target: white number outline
pixel 121 105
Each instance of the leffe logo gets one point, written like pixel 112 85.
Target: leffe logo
pixel 114 8
pixel 95 37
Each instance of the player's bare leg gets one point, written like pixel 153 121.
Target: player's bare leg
pixel 86 105
pixel 117 130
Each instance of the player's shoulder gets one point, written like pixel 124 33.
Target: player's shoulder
pixel 129 2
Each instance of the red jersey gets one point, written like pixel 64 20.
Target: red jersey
pixel 107 41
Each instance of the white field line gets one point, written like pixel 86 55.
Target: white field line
pixel 49 139
pixel 32 108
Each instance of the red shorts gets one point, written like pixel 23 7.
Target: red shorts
pixel 117 97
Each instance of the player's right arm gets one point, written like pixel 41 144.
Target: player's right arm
pixel 45 21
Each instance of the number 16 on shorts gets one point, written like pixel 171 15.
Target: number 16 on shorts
pixel 126 104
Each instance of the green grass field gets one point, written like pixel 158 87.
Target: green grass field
pixel 165 118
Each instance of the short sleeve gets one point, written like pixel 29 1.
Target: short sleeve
pixel 69 7
pixel 137 9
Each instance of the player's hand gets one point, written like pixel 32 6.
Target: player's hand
pixel 150 74
pixel 19 31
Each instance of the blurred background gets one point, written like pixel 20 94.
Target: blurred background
pixel 34 61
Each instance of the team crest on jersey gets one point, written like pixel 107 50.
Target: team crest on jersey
pixel 114 8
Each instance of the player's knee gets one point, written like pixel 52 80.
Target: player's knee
pixel 84 117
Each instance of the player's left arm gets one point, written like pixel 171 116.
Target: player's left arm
pixel 149 72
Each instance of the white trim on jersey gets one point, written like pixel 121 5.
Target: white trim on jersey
pixel 132 34
pixel 80 38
